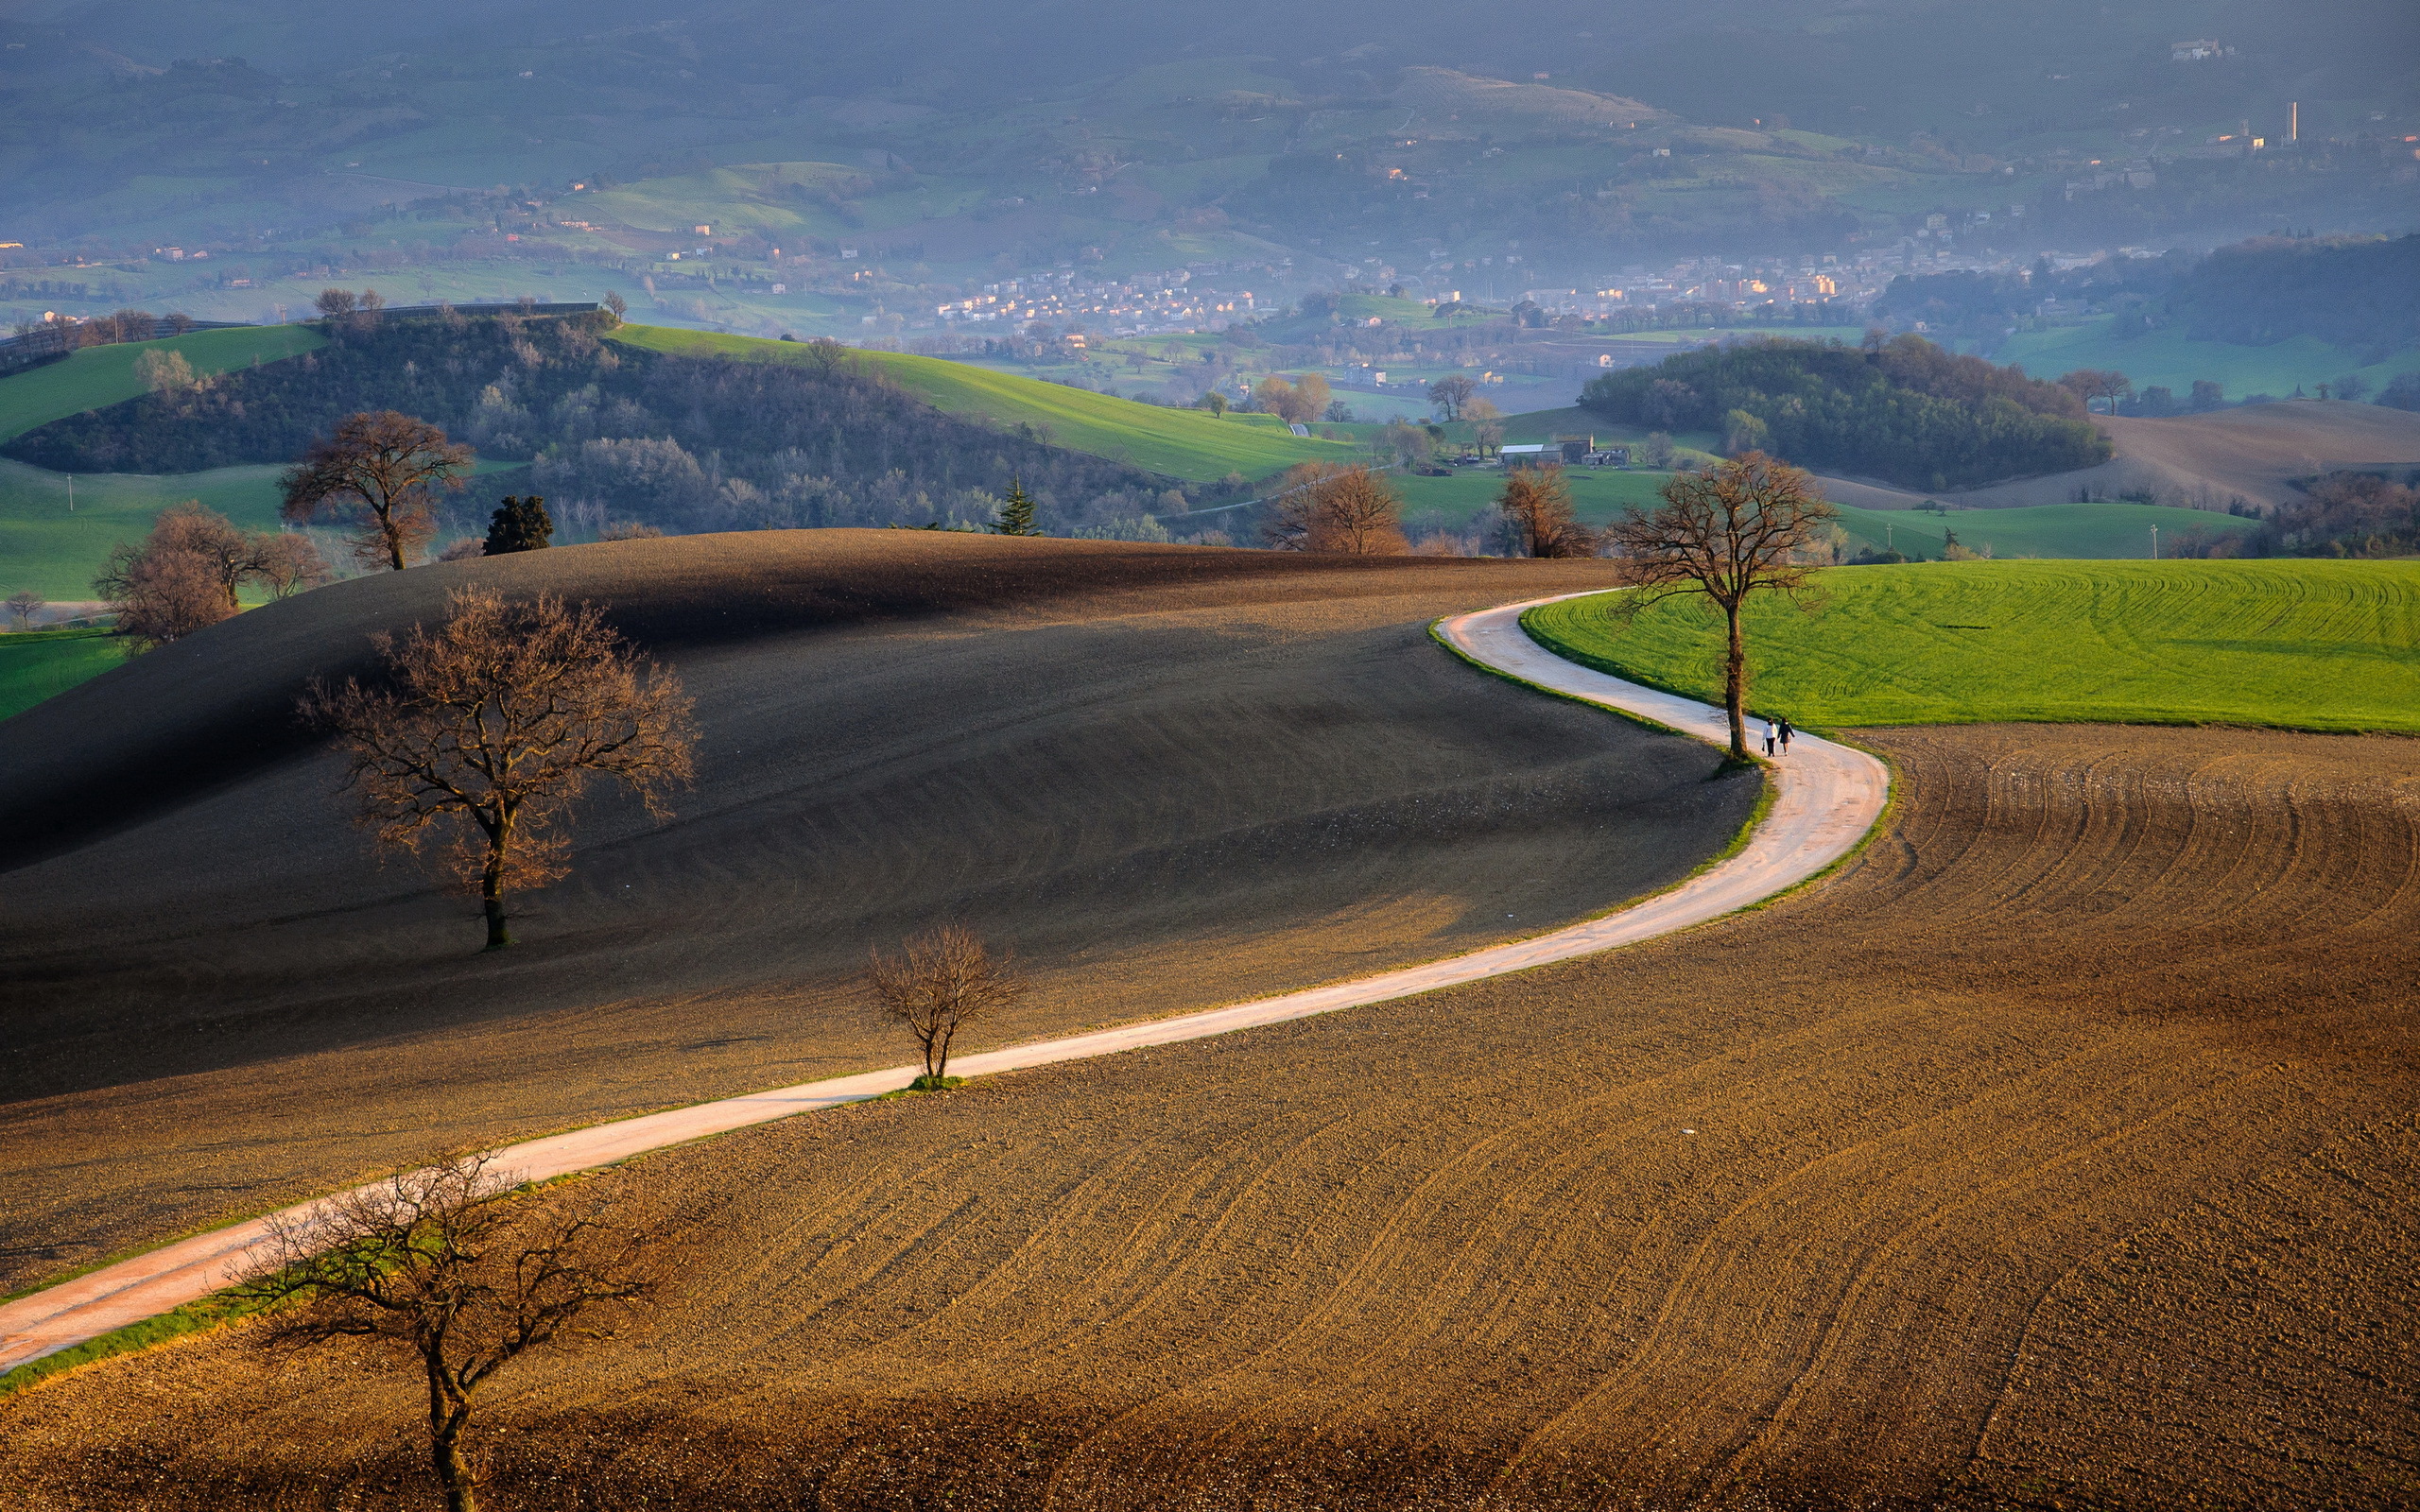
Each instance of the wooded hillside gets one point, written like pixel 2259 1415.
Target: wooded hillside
pixel 686 444
pixel 1905 410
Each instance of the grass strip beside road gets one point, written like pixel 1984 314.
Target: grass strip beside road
pixel 2319 645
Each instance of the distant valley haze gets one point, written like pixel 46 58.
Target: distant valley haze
pixel 859 171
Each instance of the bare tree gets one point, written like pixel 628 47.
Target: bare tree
pixel 289 562
pixel 379 469
pixel 1451 394
pixel 235 557
pixel 23 606
pixel 938 982
pixel 2089 384
pixel 1538 515
pixel 1487 424
pixel 486 730
pixel 1741 527
pixel 453 1267
pixel 1345 510
pixel 163 371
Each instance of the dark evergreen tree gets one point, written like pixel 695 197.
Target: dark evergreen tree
pixel 520 525
pixel 1016 513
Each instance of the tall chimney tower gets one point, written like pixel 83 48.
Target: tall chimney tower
pixel 2294 121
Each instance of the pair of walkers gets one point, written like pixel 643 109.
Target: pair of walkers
pixel 1778 730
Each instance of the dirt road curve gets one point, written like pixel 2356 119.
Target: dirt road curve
pixel 1827 796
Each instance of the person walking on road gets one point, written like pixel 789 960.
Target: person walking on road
pixel 1769 737
pixel 1785 733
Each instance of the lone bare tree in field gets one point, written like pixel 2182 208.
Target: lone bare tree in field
pixel 1536 507
pixel 1345 510
pixel 486 729
pixel 1742 527
pixel 451 1266
pixel 379 471
pixel 938 982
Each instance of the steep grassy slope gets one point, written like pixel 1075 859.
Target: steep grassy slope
pixel 2307 644
pixel 96 376
pixel 1180 443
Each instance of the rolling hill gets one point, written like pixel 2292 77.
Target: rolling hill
pixel 1810 1210
pixel 1093 751
pixel 2251 451
pixel 1188 444
pixel 95 377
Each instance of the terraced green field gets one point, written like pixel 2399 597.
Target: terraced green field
pixel 105 375
pixel 1181 443
pixel 2331 645
pixel 45 662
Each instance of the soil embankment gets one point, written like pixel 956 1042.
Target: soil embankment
pixel 2065 1151
pixel 1167 777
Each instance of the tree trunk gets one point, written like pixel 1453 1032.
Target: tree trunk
pixel 445 1424
pixel 394 541
pixel 1735 685
pixel 492 899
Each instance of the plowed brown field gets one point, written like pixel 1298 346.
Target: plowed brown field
pixel 1167 777
pixel 2066 1151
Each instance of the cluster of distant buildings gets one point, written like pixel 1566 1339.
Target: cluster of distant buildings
pixel 1141 304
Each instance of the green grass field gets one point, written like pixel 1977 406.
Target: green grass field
pixel 2059 530
pixel 2329 646
pixel 1598 494
pixel 1181 443
pixel 98 376
pixel 2039 530
pixel 55 551
pixel 42 663
pixel 2166 357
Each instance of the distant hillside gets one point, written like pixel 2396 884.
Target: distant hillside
pixel 2355 292
pixel 1180 443
pixel 1908 411
pixel 689 443
pixel 2259 453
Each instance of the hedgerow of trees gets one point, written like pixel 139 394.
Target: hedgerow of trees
pixel 616 432
pixel 1903 410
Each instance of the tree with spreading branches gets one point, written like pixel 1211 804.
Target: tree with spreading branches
pixel 1348 512
pixel 486 729
pixel 1451 395
pixel 938 982
pixel 1746 525
pixel 456 1267
pixel 1538 515
pixel 379 471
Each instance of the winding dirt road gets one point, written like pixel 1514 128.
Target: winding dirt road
pixel 1827 799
